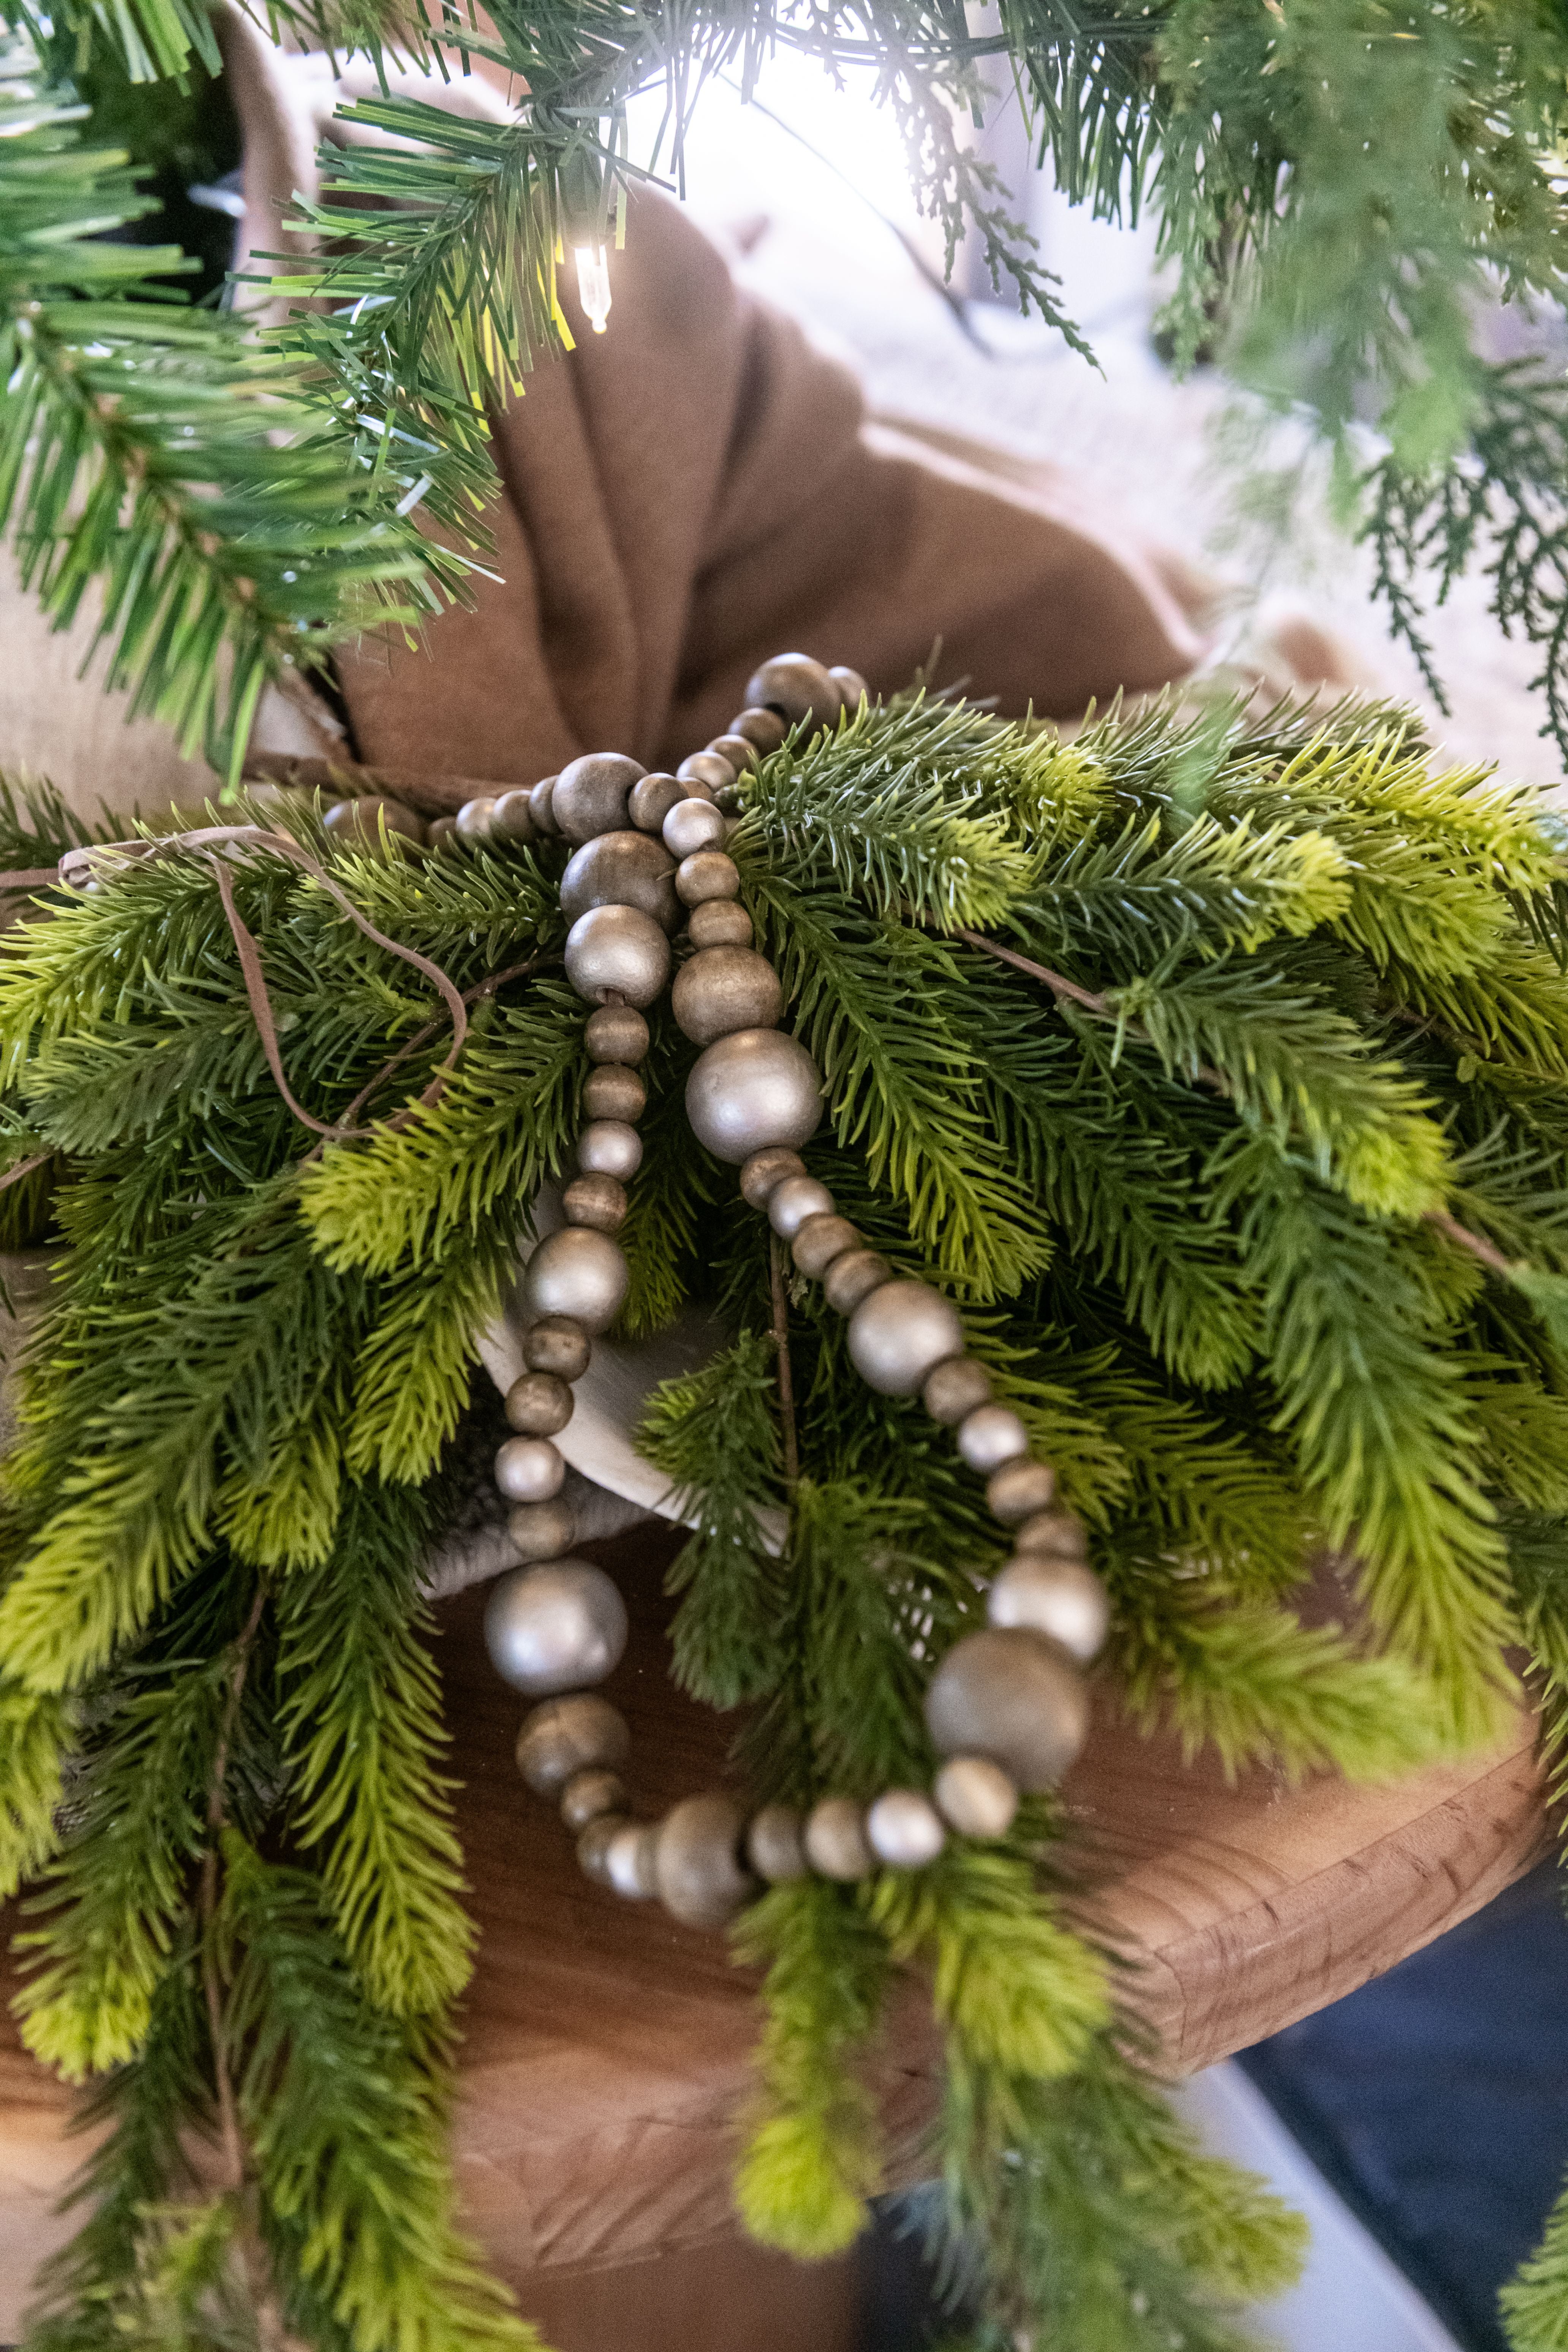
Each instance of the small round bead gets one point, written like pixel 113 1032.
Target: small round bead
pixel 765 728
pixel 557 1344
pixel 358 823
pixel 955 1389
pixel 835 1839
pixel 754 1089
pixel 851 686
pixel 764 1169
pixel 621 869
pixel 474 821
pixel 512 818
pixel 556 1628
pixel 542 1530
pixel 990 1435
pixel 594 1847
pixel 706 875
pixel 440 832
pixel 630 1855
pixel 772 1844
pixel 650 801
pixel 596 1201
pixel 1058 1596
pixel 609 1147
pixel 697 1861
pixel 741 754
pixel 975 1797
pixel 588 1795
pixel 541 806
pixel 1019 1490
pixel 852 1278
pixel 797 1198
pixel 819 1240
pixel 1051 1535
pixel 691 825
pixel 567 1736
pixel 537 1405
pixel 900 1332
pixel 530 1470
pixel 798 688
pixel 1014 1697
pixel 709 768
pixel 590 795
pixel 578 1272
pixel 720 989
pixel 718 923
pixel 612 1091
pixel 616 1033
pixel 904 1829
pixel 620 949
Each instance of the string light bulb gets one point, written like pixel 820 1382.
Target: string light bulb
pixel 593 283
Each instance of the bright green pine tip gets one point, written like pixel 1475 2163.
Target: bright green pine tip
pixel 803 2187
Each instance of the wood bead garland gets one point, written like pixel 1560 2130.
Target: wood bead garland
pixel 1006 1707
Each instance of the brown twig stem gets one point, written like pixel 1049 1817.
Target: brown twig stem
pixel 1085 999
pixel 410 1045
pixel 781 1349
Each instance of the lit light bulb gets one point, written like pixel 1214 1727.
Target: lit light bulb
pixel 593 283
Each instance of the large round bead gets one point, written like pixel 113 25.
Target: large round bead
pixel 798 687
pixel 697 1861
pixel 530 1470
pixel 720 989
pixel 1058 1596
pixel 579 1272
pixel 900 1332
pixel 590 795
pixel 904 1829
pixel 1011 1697
pixel 621 869
pixel 556 1627
pixel 618 948
pixel 567 1736
pixel 751 1089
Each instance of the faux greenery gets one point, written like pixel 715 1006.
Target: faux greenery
pixel 1217 1069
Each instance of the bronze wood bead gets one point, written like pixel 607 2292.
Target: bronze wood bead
pixel 990 1435
pixel 537 1405
pixel 616 1033
pixel 709 874
pixel 594 1844
pixel 630 1859
pixel 701 1881
pixel 900 1333
pixel 709 768
pixel 609 1147
pixel 691 825
pixel 772 1844
pixel 529 1470
pixel 765 728
pixel 614 1091
pixel 851 686
pixel 975 1797
pixel 955 1389
pixel 559 1627
pixel 1061 1597
pixel 556 1343
pixel 618 951
pixel 798 688
pixel 741 754
pixel 791 1203
pixel 590 795
pixel 357 824
pixel 540 805
pixel 766 1169
pixel 852 1278
pixel 1019 1490
pixel 599 1202
pixel 621 869
pixel 751 1089
pixel 566 1736
pixel 440 831
pixel 720 989
pixel 819 1240
pixel 511 819
pixel 650 801
pixel 1053 1535
pixel 835 1839
pixel 719 923
pixel 1012 1697
pixel 590 1794
pixel 540 1531
pixel 474 821
pixel 904 1829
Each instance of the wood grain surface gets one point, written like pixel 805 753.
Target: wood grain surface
pixel 606 2052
